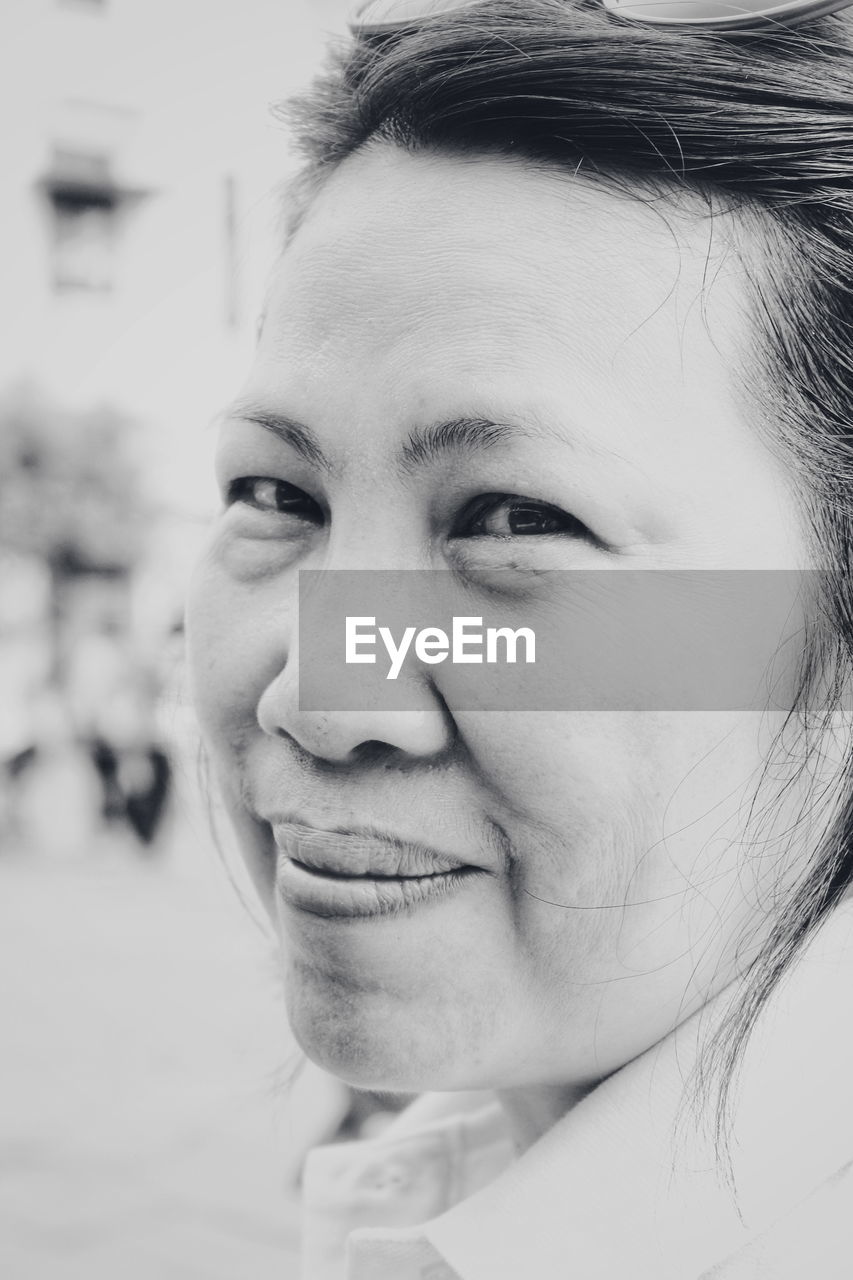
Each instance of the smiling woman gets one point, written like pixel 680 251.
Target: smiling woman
pixel 559 293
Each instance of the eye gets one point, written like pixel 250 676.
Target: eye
pixel 506 515
pixel 276 497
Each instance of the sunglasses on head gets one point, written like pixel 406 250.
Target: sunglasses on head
pixel 388 17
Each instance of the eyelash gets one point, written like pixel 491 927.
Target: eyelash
pixel 470 522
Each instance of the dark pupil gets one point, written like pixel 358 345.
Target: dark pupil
pixel 287 498
pixel 532 520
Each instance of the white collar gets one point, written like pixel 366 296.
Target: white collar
pixel 627 1184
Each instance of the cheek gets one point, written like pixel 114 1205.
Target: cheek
pixel 574 792
pixel 604 810
pixel 230 655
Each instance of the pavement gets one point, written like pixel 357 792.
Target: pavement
pixel 149 1128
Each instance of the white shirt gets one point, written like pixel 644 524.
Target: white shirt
pixel 626 1185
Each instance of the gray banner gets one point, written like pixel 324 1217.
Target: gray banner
pixel 553 641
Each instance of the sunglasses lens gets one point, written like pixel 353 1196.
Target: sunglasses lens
pixel 722 13
pixel 386 15
pixel 380 16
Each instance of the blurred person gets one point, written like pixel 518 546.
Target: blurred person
pixel 560 291
pixel 18 748
pixel 24 672
pixel 113 690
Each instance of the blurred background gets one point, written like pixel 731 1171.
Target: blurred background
pixel 153 1113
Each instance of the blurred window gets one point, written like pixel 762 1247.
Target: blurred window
pixel 84 200
pixel 83 256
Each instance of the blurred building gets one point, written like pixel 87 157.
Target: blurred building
pixel 142 1024
pixel 139 214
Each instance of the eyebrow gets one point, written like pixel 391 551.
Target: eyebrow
pixel 301 439
pixel 429 444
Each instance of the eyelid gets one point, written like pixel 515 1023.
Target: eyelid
pixel 248 449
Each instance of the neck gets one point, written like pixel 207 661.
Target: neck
pixel 532 1111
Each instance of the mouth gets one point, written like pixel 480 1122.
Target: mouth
pixel 340 874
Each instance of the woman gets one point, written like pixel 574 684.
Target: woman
pixel 560 293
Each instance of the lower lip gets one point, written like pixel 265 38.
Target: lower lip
pixel 358 897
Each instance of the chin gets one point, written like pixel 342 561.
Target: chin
pixel 372 1041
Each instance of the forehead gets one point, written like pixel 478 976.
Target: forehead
pixel 482 269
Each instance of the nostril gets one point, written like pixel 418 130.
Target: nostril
pixel 374 751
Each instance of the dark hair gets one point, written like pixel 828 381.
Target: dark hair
pixel 763 120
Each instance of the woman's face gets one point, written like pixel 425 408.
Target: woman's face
pixel 609 883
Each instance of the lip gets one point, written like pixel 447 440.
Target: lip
pixel 356 874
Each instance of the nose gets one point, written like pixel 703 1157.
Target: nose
pixel 421 731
